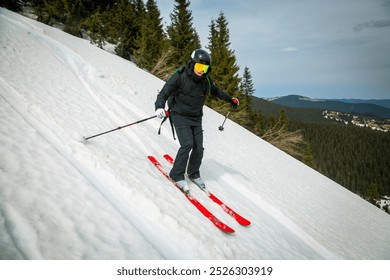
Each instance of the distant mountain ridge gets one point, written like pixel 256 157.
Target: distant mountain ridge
pixel 380 102
pixel 354 106
pixel 268 108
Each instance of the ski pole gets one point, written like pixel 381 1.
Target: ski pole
pixel 119 127
pixel 221 128
pixel 234 104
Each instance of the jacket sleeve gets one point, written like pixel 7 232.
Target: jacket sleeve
pixel 170 87
pixel 216 91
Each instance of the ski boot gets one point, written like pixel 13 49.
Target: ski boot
pixel 182 184
pixel 199 182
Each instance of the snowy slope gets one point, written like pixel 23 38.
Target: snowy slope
pixel 63 199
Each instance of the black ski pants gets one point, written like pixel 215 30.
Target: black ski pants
pixel 190 153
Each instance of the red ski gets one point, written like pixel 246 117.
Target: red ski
pixel 241 220
pixel 194 201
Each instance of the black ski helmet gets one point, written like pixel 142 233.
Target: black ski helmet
pixel 201 56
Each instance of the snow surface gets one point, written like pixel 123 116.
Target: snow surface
pixel 61 198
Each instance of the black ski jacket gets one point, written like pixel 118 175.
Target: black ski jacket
pixel 188 92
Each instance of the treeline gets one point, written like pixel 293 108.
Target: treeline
pixel 357 158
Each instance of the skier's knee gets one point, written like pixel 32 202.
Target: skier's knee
pixel 188 147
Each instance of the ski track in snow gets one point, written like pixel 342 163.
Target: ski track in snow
pixel 64 199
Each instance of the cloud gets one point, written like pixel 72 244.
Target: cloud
pixel 289 49
pixel 372 24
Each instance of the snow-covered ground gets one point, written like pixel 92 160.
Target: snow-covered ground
pixel 61 198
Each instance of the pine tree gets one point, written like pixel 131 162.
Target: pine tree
pixel 224 68
pixel 150 43
pixel 183 37
pixel 372 194
pixel 96 27
pixel 247 90
pixel 244 114
pixel 11 5
pixel 283 119
pixel 74 13
pixel 125 26
pixel 257 123
pixel 69 13
pixel 308 158
pixel 49 12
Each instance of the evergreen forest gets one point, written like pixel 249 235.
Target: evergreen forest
pixel 358 159
pixel 355 157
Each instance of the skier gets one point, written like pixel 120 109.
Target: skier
pixel 186 91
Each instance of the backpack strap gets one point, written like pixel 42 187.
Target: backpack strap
pixel 170 121
pixel 208 85
pixel 170 101
pixel 180 70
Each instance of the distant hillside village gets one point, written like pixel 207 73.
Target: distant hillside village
pixel 361 121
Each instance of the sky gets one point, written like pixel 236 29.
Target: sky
pixel 314 48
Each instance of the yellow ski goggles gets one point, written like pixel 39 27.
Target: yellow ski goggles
pixel 199 67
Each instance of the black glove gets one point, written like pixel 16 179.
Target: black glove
pixel 234 102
